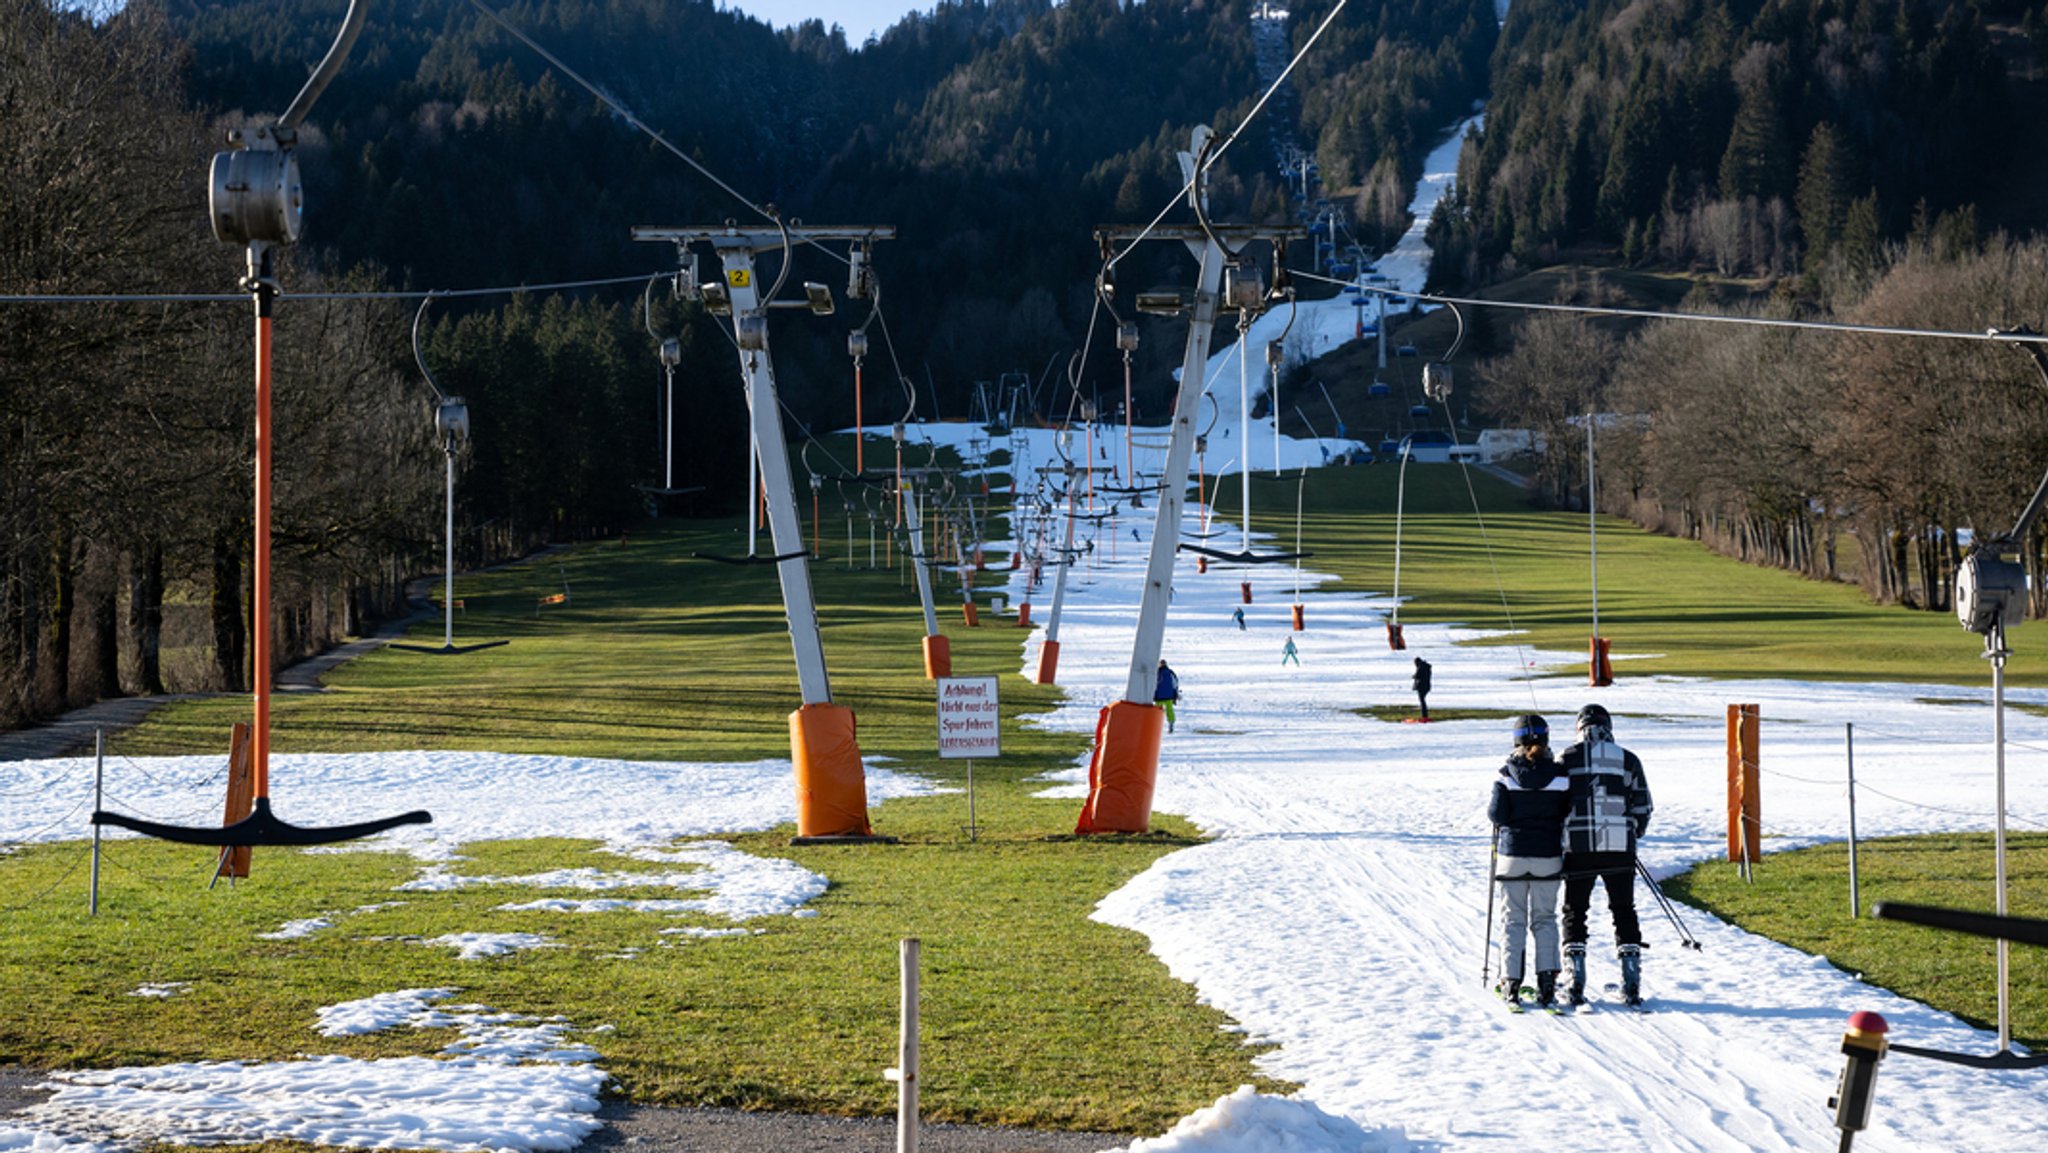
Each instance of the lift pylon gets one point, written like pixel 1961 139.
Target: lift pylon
pixel 1125 763
pixel 830 781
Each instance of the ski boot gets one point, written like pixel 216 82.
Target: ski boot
pixel 1546 989
pixel 1575 974
pixel 1631 975
pixel 1510 989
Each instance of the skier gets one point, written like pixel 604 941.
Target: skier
pixel 1289 653
pixel 1610 811
pixel 1422 685
pixel 1166 691
pixel 1237 614
pixel 1531 798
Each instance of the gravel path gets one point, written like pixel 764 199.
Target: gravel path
pixel 647 1129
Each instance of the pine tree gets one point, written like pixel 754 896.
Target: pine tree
pixel 1823 195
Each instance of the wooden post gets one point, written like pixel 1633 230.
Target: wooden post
pixel 233 861
pixel 905 1072
pixel 1745 801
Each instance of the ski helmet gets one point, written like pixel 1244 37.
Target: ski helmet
pixel 1594 717
pixel 1531 731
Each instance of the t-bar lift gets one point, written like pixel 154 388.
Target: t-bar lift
pixel 1125 762
pixel 830 782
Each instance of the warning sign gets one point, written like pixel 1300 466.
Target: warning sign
pixel 968 718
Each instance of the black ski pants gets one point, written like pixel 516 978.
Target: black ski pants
pixel 1617 871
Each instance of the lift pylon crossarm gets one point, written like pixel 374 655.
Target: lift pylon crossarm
pixel 1194 234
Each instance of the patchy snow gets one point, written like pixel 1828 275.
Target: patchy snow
pixel 292 930
pixel 477 946
pixel 1337 914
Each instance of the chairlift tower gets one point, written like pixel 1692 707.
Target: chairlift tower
pixel 1126 757
pixel 831 788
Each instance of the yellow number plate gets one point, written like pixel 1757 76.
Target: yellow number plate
pixel 738 278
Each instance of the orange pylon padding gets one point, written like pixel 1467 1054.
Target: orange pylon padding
pixel 234 859
pixel 1024 615
pixel 1016 559
pixel 1394 640
pixel 938 657
pixel 831 787
pixel 1245 587
pixel 1201 564
pixel 1048 662
pixel 1298 621
pixel 1599 670
pixel 969 614
pixel 1123 769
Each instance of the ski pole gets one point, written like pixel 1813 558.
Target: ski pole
pixel 1486 946
pixel 1685 936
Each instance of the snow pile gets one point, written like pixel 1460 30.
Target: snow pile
pixel 1250 1122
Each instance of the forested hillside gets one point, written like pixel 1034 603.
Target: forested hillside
pixel 1756 138
pixel 992 134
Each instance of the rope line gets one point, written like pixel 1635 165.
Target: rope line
pixel 1994 336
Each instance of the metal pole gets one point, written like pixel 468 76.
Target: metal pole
pixel 918 561
pixel 1998 655
pixel 906 1053
pixel 668 434
pixel 1244 425
pixel 448 565
pixel 1592 525
pixel 1849 742
pixel 972 829
pixel 99 776
pixel 1153 602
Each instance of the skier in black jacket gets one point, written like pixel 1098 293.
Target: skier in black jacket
pixel 1610 810
pixel 1531 797
pixel 1421 684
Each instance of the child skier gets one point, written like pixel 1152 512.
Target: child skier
pixel 1166 691
pixel 1531 798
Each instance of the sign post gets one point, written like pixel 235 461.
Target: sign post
pixel 969 727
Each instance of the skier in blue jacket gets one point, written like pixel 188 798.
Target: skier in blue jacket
pixel 1166 691
pixel 1531 797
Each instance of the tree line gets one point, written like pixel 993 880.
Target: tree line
pixel 1877 458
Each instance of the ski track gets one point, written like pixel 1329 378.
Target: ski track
pixel 1338 913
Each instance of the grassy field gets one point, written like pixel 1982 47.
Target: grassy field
pixel 1802 899
pixel 1667 606
pixel 1034 1014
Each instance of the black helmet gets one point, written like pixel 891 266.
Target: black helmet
pixel 1595 717
pixel 1531 730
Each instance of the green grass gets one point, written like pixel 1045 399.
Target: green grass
pixel 1033 1013
pixel 1802 899
pixel 1667 606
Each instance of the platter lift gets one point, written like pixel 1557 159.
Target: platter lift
pixel 831 789
pixel 254 199
pixel 1124 762
pixel 670 350
pixel 1991 598
pixel 1049 648
pixel 451 427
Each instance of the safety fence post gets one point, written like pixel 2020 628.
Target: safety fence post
pixel 1745 800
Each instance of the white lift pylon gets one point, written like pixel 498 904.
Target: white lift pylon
pixel 1125 763
pixel 830 780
